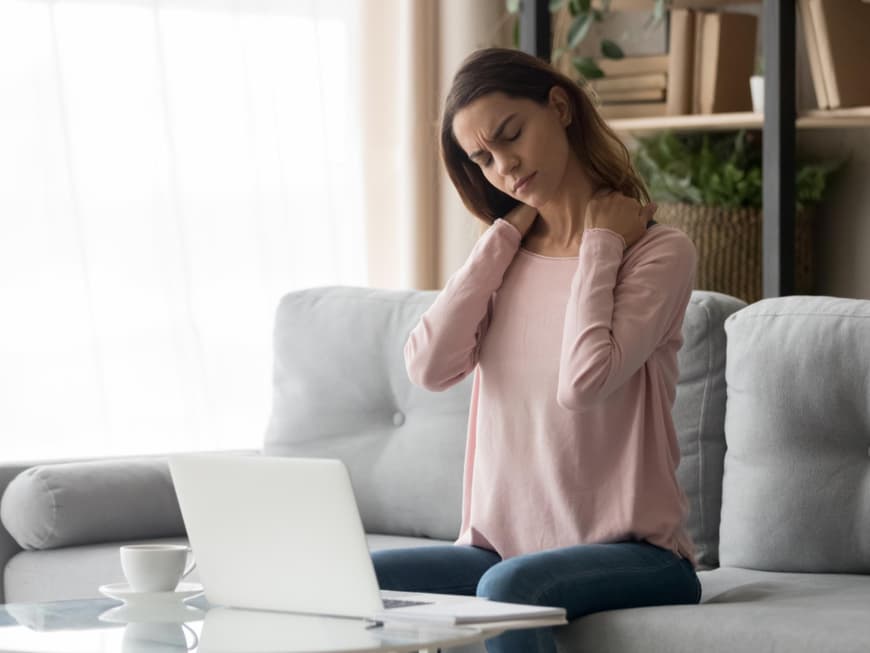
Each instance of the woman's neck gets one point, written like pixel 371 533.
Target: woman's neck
pixel 560 222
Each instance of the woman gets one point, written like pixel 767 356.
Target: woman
pixel 569 310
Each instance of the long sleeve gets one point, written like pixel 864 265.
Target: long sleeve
pixel 612 326
pixel 443 347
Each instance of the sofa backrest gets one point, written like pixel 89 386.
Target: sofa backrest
pixel 796 490
pixel 699 417
pixel 341 390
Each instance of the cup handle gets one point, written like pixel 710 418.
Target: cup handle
pixel 192 632
pixel 191 567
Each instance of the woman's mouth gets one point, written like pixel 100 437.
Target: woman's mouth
pixel 524 182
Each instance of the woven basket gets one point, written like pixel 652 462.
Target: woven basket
pixel 729 247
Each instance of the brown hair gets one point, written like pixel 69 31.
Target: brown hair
pixel 520 75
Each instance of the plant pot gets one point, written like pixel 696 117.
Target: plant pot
pixel 729 245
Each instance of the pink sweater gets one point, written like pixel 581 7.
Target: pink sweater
pixel 570 434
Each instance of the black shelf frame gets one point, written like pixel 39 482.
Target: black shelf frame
pixel 778 130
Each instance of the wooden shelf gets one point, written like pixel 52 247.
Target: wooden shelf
pixel 816 119
pixel 703 122
pixel 824 118
pixel 647 5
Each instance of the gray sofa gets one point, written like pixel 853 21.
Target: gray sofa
pixel 780 517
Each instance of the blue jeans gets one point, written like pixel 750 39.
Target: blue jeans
pixel 582 579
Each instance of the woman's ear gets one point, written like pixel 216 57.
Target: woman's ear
pixel 558 100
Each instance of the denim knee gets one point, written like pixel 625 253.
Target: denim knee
pixel 507 582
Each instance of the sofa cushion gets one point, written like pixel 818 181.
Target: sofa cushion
pixel 741 610
pixel 699 417
pixel 68 504
pixel 796 491
pixel 341 391
pixel 76 572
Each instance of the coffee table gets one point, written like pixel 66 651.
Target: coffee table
pixel 106 625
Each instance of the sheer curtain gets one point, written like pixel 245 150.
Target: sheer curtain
pixel 168 169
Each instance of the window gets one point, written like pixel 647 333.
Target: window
pixel 168 170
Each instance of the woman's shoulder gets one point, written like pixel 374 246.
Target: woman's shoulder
pixel 662 241
pixel 664 236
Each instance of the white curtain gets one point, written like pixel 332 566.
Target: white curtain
pixel 168 169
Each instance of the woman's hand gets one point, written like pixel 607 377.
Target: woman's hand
pixel 619 213
pixel 522 216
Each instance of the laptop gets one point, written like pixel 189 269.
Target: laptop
pixel 285 534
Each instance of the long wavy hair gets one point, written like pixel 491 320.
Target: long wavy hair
pixel 519 75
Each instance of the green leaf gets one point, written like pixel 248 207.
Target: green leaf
pixel 719 169
pixel 584 5
pixel 574 7
pixel 513 6
pixel 579 26
pixel 587 67
pixel 556 5
pixel 611 50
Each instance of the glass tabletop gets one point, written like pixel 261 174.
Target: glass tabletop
pixel 108 626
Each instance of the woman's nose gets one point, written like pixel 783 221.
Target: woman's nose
pixel 506 163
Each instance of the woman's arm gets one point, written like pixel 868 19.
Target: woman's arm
pixel 611 330
pixel 444 346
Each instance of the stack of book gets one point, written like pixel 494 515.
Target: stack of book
pixel 837 37
pixel 632 86
pixel 711 56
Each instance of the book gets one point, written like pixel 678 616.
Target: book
pixel 632 110
pixel 653 63
pixel 696 60
pixel 681 49
pixel 632 96
pixel 629 82
pixel 808 30
pixel 844 49
pixel 471 612
pixel 727 61
pixel 821 41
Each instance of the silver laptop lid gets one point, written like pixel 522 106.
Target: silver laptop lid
pixel 276 533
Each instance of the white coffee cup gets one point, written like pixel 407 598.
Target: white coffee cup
pixel 155 567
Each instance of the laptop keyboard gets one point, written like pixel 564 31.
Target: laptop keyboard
pixel 398 603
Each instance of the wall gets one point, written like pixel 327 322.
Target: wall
pixel 843 219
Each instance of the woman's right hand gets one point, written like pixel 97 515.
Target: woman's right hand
pixel 522 216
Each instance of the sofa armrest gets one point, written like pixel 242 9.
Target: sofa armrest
pixel 8 546
pixel 56 503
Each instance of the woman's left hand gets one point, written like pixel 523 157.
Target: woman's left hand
pixel 619 213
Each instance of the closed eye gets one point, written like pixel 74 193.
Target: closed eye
pixel 486 163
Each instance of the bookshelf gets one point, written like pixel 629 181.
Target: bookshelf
pixel 778 123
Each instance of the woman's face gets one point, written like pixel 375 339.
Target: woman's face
pixel 517 141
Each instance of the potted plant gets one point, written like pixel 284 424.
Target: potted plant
pixel 709 185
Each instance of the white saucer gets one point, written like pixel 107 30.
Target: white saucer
pixel 152 613
pixel 123 592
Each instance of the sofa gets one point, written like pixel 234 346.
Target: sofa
pixel 773 419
